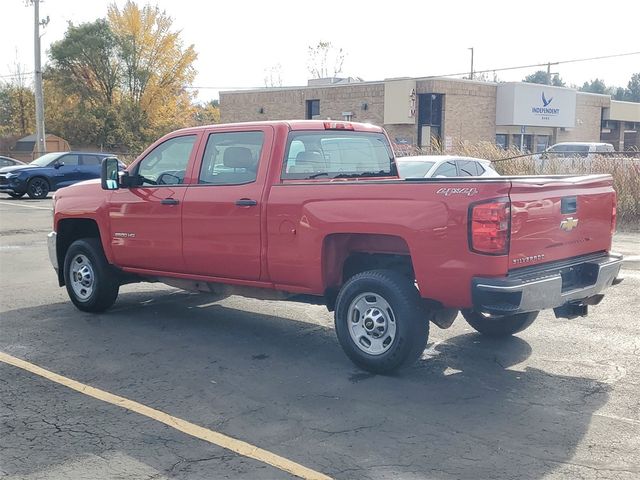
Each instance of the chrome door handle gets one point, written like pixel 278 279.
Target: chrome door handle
pixel 246 202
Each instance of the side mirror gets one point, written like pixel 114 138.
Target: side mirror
pixel 58 164
pixel 109 174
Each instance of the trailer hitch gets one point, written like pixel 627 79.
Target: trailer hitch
pixel 579 308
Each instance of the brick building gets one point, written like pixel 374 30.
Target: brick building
pixel 443 111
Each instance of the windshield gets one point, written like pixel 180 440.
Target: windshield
pixel 45 160
pixel 413 169
pixel 337 154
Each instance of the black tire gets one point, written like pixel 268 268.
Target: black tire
pixel 16 195
pixel 38 187
pixel 407 317
pixel 102 283
pixel 499 326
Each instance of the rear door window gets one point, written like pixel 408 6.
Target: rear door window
pixel 91 160
pixel 231 158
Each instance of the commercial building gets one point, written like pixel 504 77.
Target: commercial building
pixel 444 112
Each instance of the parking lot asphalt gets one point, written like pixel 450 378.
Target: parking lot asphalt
pixel 560 400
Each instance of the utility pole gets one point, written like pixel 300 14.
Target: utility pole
pixel 41 145
pixel 471 75
pixel 549 72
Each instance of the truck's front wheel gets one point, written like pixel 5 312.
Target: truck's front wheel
pixel 499 326
pixel 91 282
pixel 380 321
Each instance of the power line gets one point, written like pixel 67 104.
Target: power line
pixel 502 69
pixel 16 74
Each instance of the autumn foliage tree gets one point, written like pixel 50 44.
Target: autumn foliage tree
pixel 120 82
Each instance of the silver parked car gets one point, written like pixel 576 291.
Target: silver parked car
pixel 439 166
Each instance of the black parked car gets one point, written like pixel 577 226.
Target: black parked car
pixel 50 172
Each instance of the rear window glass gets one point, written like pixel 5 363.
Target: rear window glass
pixel 337 154
pixel 467 168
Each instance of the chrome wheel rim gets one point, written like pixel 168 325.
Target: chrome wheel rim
pixel 82 277
pixel 371 323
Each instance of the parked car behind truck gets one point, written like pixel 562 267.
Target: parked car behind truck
pixel 315 211
pixel 50 172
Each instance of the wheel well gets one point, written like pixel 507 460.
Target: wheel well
pixel 346 255
pixel 359 262
pixel 69 230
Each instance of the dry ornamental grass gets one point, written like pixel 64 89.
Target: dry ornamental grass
pixel 625 171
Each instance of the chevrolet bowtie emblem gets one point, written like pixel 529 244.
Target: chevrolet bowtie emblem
pixel 569 224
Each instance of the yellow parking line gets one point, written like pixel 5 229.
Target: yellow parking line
pixel 219 439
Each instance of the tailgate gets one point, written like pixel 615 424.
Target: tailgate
pixel 554 218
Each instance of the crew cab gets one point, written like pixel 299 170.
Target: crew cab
pixel 315 212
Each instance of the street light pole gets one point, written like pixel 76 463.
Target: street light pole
pixel 471 75
pixel 40 146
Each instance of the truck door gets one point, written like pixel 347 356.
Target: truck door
pixel 146 229
pixel 222 208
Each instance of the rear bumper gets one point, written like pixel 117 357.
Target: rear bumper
pixel 577 282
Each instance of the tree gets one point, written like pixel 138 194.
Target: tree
pixel 632 93
pixel 325 60
pixel 594 86
pixel 156 67
pixel 273 76
pixel 17 105
pixel 87 60
pixel 207 114
pixel 541 77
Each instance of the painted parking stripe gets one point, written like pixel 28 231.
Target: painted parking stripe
pixel 238 446
pixel 13 204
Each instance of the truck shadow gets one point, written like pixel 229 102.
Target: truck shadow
pixel 471 408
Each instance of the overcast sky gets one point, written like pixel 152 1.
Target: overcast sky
pixel 238 40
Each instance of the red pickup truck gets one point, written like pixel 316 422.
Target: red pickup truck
pixel 315 211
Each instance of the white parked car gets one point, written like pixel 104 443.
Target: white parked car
pixel 439 166
pixel 576 149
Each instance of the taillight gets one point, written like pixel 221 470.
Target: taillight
pixel 489 225
pixel 337 126
pixel 614 213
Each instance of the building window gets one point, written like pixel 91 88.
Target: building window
pixel 502 140
pixel 542 142
pixel 429 114
pixel 347 116
pixel 313 109
pixel 524 143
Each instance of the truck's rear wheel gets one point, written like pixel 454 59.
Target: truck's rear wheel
pixel 380 321
pixel 91 282
pixel 499 326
